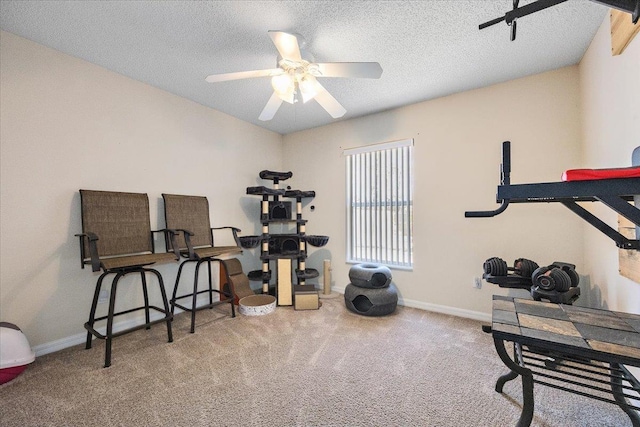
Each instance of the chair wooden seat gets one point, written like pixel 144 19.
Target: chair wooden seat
pixel 214 251
pixel 140 260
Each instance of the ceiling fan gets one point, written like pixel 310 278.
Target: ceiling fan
pixel 297 73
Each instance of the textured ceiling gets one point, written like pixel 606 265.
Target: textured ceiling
pixel 427 49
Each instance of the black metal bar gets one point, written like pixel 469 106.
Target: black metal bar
pixel 627 375
pixel 505 179
pixel 561 359
pixel 504 379
pixel 194 298
pixel 576 190
pixel 573 374
pixel 530 8
pixel 576 383
pixel 582 393
pixel 505 166
pixel 629 6
pixel 487 214
pixel 145 293
pixel 615 381
pixel 167 311
pixel 94 306
pixel 622 207
pixel 490 23
pixel 620 240
pixel 620 397
pixel 527 381
pixel 615 193
pixel 110 316
pixel 519 12
pixel 98 335
pixel 510 17
pixel 608 373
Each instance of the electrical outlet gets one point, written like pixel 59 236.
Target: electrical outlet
pixel 477 283
pixel 103 297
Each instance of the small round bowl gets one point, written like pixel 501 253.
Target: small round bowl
pixel 316 241
pixel 249 242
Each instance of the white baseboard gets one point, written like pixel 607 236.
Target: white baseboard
pixel 459 312
pixel 50 347
pixel 61 344
pixel 453 311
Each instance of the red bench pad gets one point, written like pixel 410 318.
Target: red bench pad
pixel 591 174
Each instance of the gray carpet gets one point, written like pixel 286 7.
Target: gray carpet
pixel 328 367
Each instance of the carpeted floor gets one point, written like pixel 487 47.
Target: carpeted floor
pixel 328 367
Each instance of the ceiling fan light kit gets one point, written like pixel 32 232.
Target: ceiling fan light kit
pixel 297 73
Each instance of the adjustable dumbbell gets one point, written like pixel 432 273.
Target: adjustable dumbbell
pixel 558 276
pixel 570 269
pixel 498 267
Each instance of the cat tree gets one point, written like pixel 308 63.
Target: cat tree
pixel 284 248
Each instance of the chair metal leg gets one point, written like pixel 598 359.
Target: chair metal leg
pixel 94 306
pixel 175 288
pixel 109 335
pixel 195 296
pixel 112 306
pixel 210 286
pixel 233 308
pixel 167 309
pixel 145 293
pixel 194 292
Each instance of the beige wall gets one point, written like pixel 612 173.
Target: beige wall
pixel 68 124
pixel 457 155
pixel 610 89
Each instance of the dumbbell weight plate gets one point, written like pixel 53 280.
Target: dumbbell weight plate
pixel 495 266
pixel 561 279
pixel 524 267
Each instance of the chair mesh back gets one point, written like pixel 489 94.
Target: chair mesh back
pixel 120 220
pixel 189 213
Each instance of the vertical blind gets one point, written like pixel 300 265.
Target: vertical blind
pixel 380 203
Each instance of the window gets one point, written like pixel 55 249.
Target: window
pixel 380 204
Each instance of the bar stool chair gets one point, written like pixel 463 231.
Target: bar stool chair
pixel 188 217
pixel 117 239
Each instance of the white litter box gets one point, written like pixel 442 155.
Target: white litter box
pixel 15 352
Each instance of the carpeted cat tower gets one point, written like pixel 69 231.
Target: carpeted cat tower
pixel 371 291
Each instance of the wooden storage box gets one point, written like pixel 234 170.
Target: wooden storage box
pixel 305 297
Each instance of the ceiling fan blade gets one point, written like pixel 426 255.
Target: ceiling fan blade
pixel 367 70
pixel 271 108
pixel 328 102
pixel 214 78
pixel 287 45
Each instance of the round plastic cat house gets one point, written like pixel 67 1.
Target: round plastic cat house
pixel 15 352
